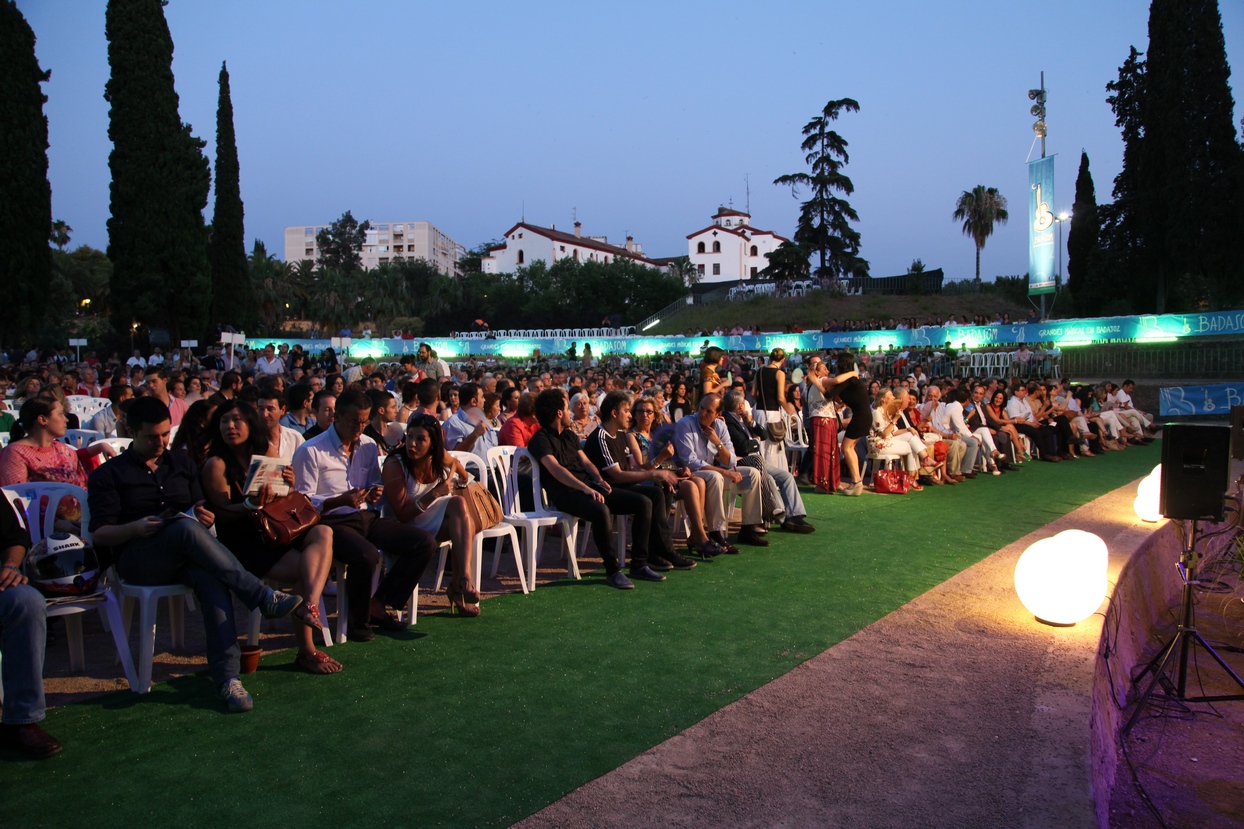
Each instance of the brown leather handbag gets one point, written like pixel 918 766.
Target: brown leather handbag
pixel 483 508
pixel 285 520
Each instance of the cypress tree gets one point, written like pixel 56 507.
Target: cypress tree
pixel 1175 230
pixel 160 180
pixel 1190 150
pixel 233 297
pixel 25 194
pixel 1082 241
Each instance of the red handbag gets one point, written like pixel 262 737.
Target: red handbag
pixel 890 482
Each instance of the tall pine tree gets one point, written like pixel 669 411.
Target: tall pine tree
pixel 1082 242
pixel 160 181
pixel 233 297
pixel 25 195
pixel 825 219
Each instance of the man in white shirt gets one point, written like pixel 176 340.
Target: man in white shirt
pixel 702 444
pixel 269 363
pixel 948 419
pixel 1043 436
pixel 339 470
pixel 1123 406
pixel 933 413
pixel 271 406
pixel 467 430
pixel 136 360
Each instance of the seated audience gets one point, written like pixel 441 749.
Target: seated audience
pixel 419 486
pixel 702 444
pixel 691 489
pixel 339 470
pixel 238 435
pixel 147 505
pixel 615 454
pixel 745 436
pixel 23 634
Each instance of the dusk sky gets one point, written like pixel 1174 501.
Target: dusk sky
pixel 643 117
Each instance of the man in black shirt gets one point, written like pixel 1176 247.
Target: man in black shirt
pixel 23 632
pixel 324 407
pixel 575 486
pixel 611 449
pixel 147 505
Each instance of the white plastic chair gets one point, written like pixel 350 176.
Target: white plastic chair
pixel 27 500
pixel 78 438
pixel 472 463
pixel 147 597
pixel 120 444
pixel 504 463
pixel 796 439
pixel 86 407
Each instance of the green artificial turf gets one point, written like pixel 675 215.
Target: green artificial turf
pixel 483 722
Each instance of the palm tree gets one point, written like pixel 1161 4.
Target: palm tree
pixel 980 209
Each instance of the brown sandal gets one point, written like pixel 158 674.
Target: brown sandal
pixel 317 662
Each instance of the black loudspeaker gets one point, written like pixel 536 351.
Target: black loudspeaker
pixel 1196 471
pixel 1237 432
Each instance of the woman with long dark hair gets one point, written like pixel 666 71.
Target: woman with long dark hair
pixel 854 395
pixel 238 435
pixel 419 487
pixel 710 381
pixel 679 405
pixel 194 434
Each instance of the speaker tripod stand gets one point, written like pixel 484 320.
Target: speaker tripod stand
pixel 1186 636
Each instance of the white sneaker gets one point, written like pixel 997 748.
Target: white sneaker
pixel 237 697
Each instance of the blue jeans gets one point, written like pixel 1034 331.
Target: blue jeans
pixel 791 499
pixel 23 634
pixel 185 552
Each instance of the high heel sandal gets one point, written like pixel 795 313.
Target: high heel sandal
pixel 457 603
pixel 856 488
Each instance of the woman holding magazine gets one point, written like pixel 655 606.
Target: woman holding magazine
pixel 238 436
pixel 419 487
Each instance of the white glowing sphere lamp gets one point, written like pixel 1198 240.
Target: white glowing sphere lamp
pixel 1147 494
pixel 1062 579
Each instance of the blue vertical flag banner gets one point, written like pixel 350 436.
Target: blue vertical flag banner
pixel 1041 249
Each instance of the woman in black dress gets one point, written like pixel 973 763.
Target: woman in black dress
pixel 237 435
pixel 854 395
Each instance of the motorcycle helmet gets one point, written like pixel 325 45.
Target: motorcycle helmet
pixel 63 565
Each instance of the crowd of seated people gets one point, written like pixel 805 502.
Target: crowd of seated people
pixel 369 443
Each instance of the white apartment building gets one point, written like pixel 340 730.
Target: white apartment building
pixel 731 249
pixel 386 241
pixel 525 243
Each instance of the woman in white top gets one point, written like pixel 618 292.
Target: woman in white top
pixel 826 458
pixel 419 487
pixel 893 439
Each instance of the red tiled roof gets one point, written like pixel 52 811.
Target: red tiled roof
pixel 725 211
pixel 735 231
pixel 579 241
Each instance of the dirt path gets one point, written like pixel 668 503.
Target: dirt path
pixel 956 710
